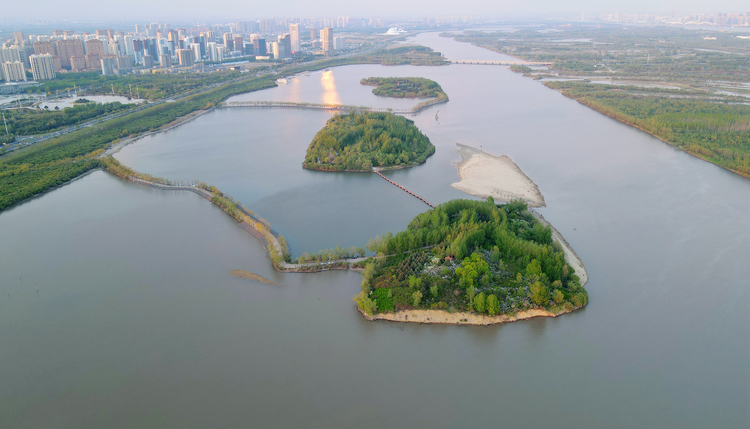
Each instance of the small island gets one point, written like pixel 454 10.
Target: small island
pixel 404 87
pixel 472 262
pixel 363 141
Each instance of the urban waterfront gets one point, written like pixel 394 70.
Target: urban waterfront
pixel 119 308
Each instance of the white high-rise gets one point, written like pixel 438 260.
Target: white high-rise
pixel 294 34
pixel 42 66
pixel 14 71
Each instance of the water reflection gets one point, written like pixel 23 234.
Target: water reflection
pixel 330 94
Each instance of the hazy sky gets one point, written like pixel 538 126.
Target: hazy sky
pixel 233 10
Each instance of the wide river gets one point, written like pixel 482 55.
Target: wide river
pixel 117 309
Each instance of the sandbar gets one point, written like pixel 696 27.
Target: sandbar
pixel 252 276
pixel 484 175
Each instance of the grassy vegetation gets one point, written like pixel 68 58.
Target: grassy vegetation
pixel 717 132
pixel 404 87
pixel 150 86
pixel 642 52
pixel 360 141
pixel 32 121
pixel 468 255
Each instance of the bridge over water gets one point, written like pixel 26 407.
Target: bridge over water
pixel 335 107
pixel 501 63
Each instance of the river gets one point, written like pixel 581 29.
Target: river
pixel 117 309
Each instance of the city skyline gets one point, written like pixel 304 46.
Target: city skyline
pixel 191 10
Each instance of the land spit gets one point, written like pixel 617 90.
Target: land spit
pixel 484 175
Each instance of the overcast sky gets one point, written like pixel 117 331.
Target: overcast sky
pixel 234 10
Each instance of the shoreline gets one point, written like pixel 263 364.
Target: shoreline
pixel 485 175
pixel 443 317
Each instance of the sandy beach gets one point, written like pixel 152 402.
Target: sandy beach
pixel 484 175
pixel 444 317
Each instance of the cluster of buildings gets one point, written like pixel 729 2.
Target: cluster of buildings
pixel 734 19
pixel 157 47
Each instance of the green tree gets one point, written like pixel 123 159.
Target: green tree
pixel 493 305
pixel 416 297
pixel 480 303
pixel 539 294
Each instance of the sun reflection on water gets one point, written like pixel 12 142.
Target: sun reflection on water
pixel 330 94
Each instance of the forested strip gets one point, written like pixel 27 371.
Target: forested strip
pixel 715 131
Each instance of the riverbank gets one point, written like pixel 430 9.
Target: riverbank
pixel 484 175
pixel 446 318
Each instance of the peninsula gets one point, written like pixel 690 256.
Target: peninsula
pixel 404 87
pixel 472 262
pixel 361 141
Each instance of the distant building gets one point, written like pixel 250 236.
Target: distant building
pixel 186 57
pixel 92 62
pixel 109 64
pixel 14 71
pixel 124 64
pixel 95 46
pixel 148 61
pixel 259 45
pixel 42 66
pixel 165 60
pixel 228 42
pixel 294 35
pixel 339 43
pixel 41 48
pixel 239 45
pixel 285 42
pixel 78 63
pixel 11 54
pixel 326 36
pixel 67 48
pixel 18 36
pixel 313 34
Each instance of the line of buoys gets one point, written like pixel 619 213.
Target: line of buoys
pixel 404 189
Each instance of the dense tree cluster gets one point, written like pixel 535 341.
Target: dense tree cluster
pixel 404 87
pixel 718 132
pixel 468 255
pixel 360 141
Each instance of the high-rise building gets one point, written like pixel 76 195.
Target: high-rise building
pixel 67 48
pixel 186 57
pixel 11 54
pixel 196 47
pixel 124 64
pixel 42 66
pixel 148 61
pixel 14 71
pixel 228 42
pixel 313 34
pixel 95 46
pixel 286 45
pixel 18 36
pixel 41 48
pixel 109 64
pixel 165 60
pixel 259 45
pixel 326 36
pixel 339 43
pixel 239 44
pixel 92 62
pixel 294 34
pixel 78 63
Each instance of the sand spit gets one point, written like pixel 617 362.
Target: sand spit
pixel 484 175
pixel 252 276
pixel 570 255
pixel 444 317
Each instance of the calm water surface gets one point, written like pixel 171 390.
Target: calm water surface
pixel 136 321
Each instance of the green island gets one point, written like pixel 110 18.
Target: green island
pixel 361 141
pixel 470 258
pixel 404 87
